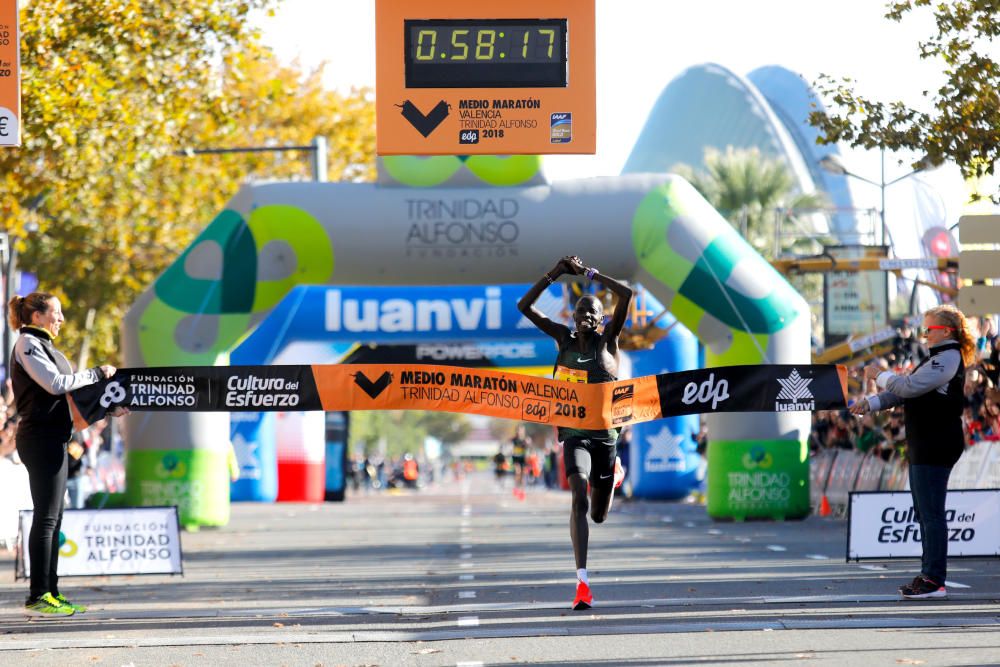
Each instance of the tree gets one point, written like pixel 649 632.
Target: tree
pixel 962 124
pixel 404 431
pixel 748 190
pixel 111 90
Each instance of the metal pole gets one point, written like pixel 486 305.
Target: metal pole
pixel 319 159
pixel 882 188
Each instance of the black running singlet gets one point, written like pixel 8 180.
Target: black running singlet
pixel 572 365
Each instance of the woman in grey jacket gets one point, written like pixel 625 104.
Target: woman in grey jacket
pixel 932 401
pixel 42 377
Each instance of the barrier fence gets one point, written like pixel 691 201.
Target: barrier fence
pixel 835 473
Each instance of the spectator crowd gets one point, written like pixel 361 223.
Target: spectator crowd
pixel 884 434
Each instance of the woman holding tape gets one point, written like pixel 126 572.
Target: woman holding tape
pixel 586 355
pixel 42 377
pixel 932 401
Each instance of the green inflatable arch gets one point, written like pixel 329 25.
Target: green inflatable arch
pixel 448 220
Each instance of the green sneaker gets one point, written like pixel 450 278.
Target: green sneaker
pixel 78 608
pixel 48 607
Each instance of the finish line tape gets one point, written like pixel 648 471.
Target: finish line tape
pixel 494 393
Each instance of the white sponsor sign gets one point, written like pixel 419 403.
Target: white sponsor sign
pixel 137 540
pixel 884 524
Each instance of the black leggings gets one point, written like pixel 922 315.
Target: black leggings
pixel 46 462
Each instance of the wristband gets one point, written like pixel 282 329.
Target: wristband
pixel 549 278
pixel 590 273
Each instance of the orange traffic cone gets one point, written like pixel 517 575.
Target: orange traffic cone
pixel 824 506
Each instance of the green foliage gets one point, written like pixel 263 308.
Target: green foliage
pixel 748 190
pixel 962 121
pixel 112 89
pixel 400 432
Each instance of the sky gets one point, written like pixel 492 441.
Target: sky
pixel 643 44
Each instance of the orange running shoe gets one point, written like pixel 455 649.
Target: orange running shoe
pixel 584 598
pixel 619 472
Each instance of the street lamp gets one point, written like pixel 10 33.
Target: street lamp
pixel 831 163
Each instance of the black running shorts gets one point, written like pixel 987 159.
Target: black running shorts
pixel 594 458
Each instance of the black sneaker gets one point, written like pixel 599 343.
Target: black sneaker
pixel 923 588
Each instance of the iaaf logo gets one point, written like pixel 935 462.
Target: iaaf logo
pixel 404 315
pixel 706 391
pixel 794 388
pixel 621 403
pixel 257 392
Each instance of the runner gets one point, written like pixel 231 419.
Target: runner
pixel 591 356
pixel 519 451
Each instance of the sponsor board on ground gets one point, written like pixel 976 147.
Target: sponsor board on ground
pixel 884 525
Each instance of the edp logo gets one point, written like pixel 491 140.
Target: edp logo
pixel 707 391
pixel 468 137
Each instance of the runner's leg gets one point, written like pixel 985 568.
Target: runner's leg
pixel 602 486
pixel 577 463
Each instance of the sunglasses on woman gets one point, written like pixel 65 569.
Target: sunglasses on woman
pixel 926 330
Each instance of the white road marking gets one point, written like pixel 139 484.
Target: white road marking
pixel 466 595
pixel 776 547
pixel 872 567
pixel 817 557
pixel 465 556
pixel 468 621
pixel 466 577
pixel 955 584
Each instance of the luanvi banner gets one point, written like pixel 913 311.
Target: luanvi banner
pixel 494 393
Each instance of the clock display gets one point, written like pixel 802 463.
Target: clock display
pixel 474 53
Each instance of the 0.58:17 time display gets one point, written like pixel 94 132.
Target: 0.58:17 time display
pixel 502 53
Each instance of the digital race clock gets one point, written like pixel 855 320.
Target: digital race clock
pixel 499 53
pixel 454 77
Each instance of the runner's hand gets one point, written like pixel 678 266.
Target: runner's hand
pixel 108 371
pixel 574 265
pixel 119 411
pixel 860 407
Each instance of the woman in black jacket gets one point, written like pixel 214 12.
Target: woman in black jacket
pixel 932 400
pixel 42 377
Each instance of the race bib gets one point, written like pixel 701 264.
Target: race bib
pixel 570 374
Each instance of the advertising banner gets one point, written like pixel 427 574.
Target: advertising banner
pixel 10 75
pixel 854 302
pixel 885 525
pixel 752 479
pixel 138 540
pixel 493 393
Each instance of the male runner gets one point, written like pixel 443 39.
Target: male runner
pixel 519 456
pixel 591 356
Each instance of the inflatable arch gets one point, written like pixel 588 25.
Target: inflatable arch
pixel 463 325
pixel 451 221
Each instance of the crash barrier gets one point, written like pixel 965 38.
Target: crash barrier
pixel 106 476
pixel 14 495
pixel 836 473
pixel 571 403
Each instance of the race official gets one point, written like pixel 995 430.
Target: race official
pixel 932 400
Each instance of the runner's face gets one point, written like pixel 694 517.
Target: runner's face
pixel 588 314
pixel 52 320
